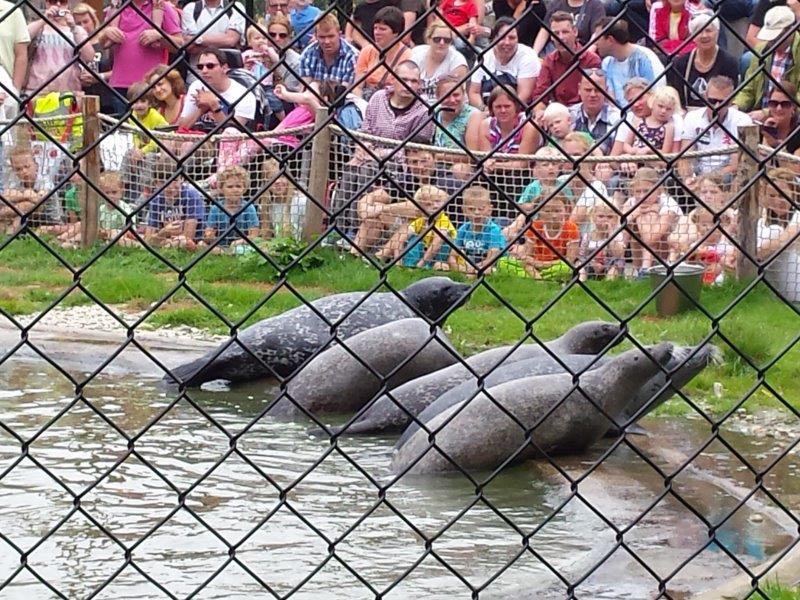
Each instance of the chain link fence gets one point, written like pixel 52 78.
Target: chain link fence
pixel 448 299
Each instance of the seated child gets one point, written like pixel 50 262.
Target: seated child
pixel 145 117
pixel 551 241
pixel 233 185
pixel 283 206
pixel 430 250
pixel 779 224
pixel 602 246
pixel 652 215
pixel 112 213
pixel 303 15
pixel 176 215
pixel 716 251
pixel 479 241
pixel 23 191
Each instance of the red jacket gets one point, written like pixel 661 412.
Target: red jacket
pixel 668 46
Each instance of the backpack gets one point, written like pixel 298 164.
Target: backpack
pixel 349 116
pixel 67 131
pixel 198 10
pixel 263 111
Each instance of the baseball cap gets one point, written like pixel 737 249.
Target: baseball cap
pixel 777 19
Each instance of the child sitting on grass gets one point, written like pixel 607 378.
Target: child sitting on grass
pixel 652 215
pixel 551 242
pixel 479 241
pixel 602 246
pixel 176 215
pixel 282 205
pixel 425 247
pixel 233 183
pixel 112 212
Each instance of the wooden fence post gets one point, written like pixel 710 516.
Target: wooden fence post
pixel 90 108
pixel 750 137
pixel 318 177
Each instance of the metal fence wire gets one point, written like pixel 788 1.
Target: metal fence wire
pixel 391 229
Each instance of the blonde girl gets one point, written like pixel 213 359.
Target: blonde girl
pixel 656 130
pixel 603 246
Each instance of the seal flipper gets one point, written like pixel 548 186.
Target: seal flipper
pixel 633 429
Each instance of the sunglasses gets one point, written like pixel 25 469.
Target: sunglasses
pixel 206 66
pixel 442 40
pixel 278 35
pixel 780 103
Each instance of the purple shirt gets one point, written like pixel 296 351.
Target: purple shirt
pixel 131 59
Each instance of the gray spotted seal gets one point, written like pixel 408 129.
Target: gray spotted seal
pixel 345 377
pixel 479 435
pixel 385 414
pixel 277 346
pixel 684 363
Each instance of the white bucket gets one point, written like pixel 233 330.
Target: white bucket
pixel 784 274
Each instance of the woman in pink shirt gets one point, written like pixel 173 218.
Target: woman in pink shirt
pixel 137 46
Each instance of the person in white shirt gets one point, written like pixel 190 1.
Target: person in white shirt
pixel 216 98
pixel 714 128
pixel 514 65
pixel 779 224
pixel 205 28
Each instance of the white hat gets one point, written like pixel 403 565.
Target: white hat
pixel 777 19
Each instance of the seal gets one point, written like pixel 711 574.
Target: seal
pixel 386 414
pixel 345 377
pixel 277 346
pixel 560 417
pixel 685 362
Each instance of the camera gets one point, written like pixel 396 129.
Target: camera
pixel 62 12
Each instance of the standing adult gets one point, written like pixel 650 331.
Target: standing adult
pixel 560 62
pixel 691 72
pixel 509 63
pixel 438 58
pixel 211 24
pixel 330 57
pixel 215 99
pixel 14 40
pixel 137 46
pixel 376 64
pixel 527 14
pixel 624 60
pixel 594 114
pixel 585 14
pixel 53 64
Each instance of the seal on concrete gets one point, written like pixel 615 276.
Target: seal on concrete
pixel 385 414
pixel 480 435
pixel 343 378
pixel 277 346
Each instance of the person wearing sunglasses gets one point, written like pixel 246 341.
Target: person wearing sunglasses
pixel 53 46
pixel 438 58
pixel 715 127
pixel 780 47
pixel 215 101
pixel 781 127
pixel 211 24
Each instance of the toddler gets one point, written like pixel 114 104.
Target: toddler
pixel 551 242
pixel 283 206
pixel 234 209
pixel 657 130
pixel 479 240
pixel 604 238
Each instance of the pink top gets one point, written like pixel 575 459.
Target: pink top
pixel 132 60
pixel 300 116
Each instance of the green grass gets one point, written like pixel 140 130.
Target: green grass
pixel 774 591
pixel 759 327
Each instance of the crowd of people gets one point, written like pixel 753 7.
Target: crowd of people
pixel 495 119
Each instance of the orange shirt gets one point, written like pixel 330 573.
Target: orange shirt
pixel 369 57
pixel 542 252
